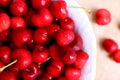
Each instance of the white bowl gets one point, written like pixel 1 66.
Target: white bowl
pixel 84 28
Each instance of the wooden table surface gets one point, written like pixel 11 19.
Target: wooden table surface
pixel 107 69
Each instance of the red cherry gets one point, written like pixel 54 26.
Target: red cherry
pixel 72 73
pixel 103 16
pixel 68 55
pixel 54 51
pixel 43 18
pixel 82 58
pixel 4 22
pixel 37 4
pixel 116 56
pixel 40 35
pixel 59 9
pixel 53 30
pixel 23 58
pixel 65 37
pixel 109 45
pixel 5 54
pixel 18 8
pixel 67 23
pixel 40 54
pixel 77 43
pixel 5 35
pixel 31 72
pixel 55 68
pixel 17 22
pixel 21 36
pixel 7 75
pixel 4 2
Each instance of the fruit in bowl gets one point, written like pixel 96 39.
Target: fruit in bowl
pixel 45 41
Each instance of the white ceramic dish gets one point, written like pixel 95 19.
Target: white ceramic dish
pixel 84 27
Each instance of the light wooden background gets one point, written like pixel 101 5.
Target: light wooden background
pixel 107 69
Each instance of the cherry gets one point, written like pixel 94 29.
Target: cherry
pixel 40 54
pixel 18 8
pixel 72 73
pixel 4 21
pixel 77 43
pixel 40 35
pixel 21 37
pixel 68 55
pixel 53 30
pixel 109 45
pixel 4 2
pixel 116 56
pixel 65 37
pixel 59 9
pixel 42 18
pixel 5 36
pixel 103 16
pixel 37 4
pixel 31 72
pixel 54 51
pixel 82 58
pixel 17 22
pixel 23 57
pixel 5 54
pixel 7 75
pixel 55 68
pixel 67 23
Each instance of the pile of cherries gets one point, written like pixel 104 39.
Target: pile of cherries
pixel 38 42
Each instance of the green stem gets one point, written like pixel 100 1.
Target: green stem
pixel 86 9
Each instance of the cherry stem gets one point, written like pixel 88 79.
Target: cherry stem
pixel 8 65
pixel 86 9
